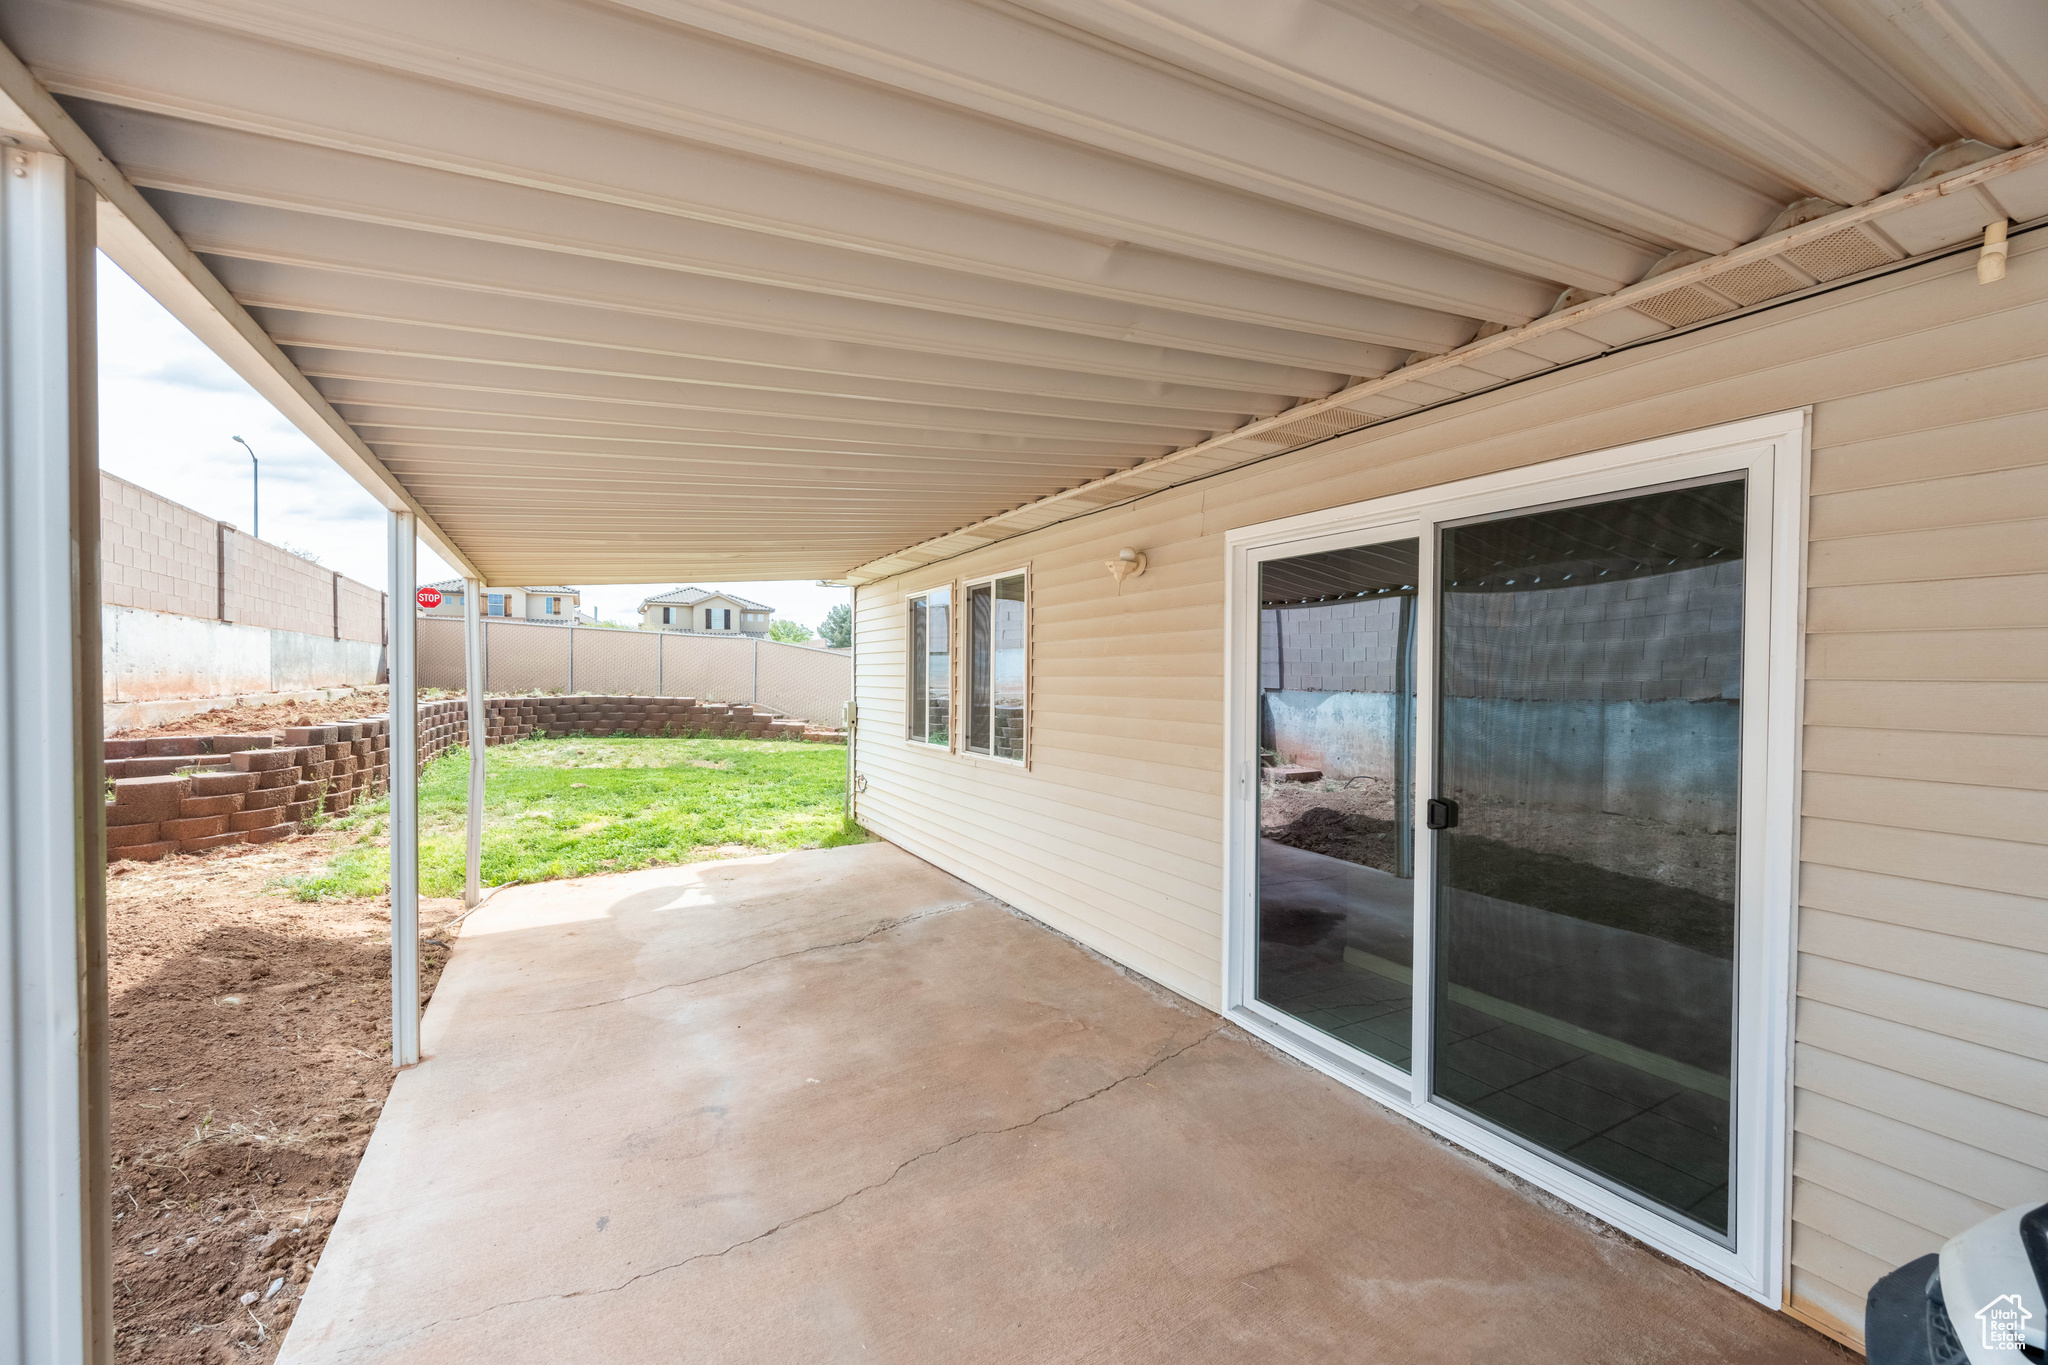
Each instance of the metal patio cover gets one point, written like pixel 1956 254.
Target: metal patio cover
pixel 628 290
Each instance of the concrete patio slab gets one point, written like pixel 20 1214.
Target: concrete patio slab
pixel 837 1106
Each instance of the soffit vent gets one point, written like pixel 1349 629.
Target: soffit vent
pixel 1320 426
pixel 1683 306
pixel 1757 281
pixel 1841 253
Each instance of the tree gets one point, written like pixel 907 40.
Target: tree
pixel 789 632
pixel 837 627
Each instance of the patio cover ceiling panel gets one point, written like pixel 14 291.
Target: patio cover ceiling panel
pixel 622 290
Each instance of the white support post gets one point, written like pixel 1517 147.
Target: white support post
pixel 55 1230
pixel 405 797
pixel 473 683
pixel 850 715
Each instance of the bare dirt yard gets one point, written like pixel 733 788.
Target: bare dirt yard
pixel 274 717
pixel 250 996
pixel 251 1043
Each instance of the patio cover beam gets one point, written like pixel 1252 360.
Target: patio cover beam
pixel 137 239
pixel 707 131
pixel 1016 274
pixel 952 271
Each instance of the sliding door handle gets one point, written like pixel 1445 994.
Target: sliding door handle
pixel 1440 813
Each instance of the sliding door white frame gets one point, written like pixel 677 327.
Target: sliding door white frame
pixel 1771 453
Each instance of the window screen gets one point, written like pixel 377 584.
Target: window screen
pixel 995 674
pixel 920 635
pixel 931 667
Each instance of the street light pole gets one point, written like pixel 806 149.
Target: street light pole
pixel 255 492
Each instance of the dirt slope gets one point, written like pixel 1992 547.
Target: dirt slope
pixel 251 1055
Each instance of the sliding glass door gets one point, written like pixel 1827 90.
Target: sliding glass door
pixel 1511 848
pixel 1336 888
pixel 1589 722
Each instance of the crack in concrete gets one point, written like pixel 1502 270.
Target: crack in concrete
pixel 824 1209
pixel 879 929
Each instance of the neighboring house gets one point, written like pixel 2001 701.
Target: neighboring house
pixel 700 611
pixel 555 605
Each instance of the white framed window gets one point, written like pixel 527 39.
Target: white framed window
pixel 495 604
pixel 995 630
pixel 930 689
pixel 1489 734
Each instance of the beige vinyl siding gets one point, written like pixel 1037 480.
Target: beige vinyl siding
pixel 1926 818
pixel 1114 833
pixel 1921 1071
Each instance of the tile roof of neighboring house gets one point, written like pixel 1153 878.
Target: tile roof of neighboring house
pixel 687 597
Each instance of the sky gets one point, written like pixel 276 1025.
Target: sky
pixel 169 410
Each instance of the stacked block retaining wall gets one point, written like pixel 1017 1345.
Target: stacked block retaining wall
pixel 191 793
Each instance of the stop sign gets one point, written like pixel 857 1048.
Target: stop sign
pixel 430 597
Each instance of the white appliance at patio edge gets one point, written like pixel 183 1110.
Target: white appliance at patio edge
pixel 1983 1300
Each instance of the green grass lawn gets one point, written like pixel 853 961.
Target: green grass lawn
pixel 566 807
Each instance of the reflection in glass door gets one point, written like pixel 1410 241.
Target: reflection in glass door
pixel 1589 720
pixel 1336 890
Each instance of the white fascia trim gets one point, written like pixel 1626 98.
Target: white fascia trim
pixel 136 238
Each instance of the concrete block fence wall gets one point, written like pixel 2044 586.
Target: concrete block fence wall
pixel 191 793
pixel 157 555
pixel 192 608
pixel 519 656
